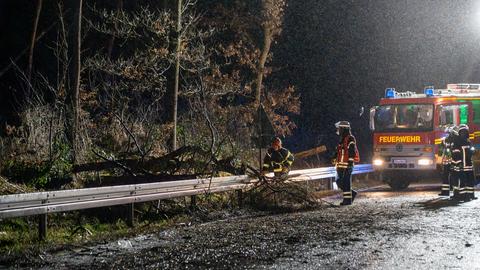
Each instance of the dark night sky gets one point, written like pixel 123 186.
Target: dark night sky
pixel 340 54
pixel 349 51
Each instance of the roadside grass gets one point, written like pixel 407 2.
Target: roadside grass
pixel 19 236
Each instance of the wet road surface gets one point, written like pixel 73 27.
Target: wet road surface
pixel 414 229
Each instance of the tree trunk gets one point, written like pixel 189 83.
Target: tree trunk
pixel 73 98
pixel 33 39
pixel 177 75
pixel 267 42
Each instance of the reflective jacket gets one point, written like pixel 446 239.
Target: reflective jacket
pixel 277 161
pixel 462 153
pixel 347 152
pixel 446 150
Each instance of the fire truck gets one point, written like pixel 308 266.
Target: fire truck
pixel 408 129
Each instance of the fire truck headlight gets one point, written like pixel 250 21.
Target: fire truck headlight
pixel 425 162
pixel 377 162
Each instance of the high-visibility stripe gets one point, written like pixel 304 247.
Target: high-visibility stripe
pixel 288 155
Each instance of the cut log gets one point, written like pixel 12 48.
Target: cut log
pixel 310 152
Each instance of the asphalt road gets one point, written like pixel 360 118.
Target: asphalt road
pixel 383 230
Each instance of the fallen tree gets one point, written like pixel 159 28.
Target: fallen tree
pixel 187 162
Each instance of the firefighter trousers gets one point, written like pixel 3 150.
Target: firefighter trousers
pixel 446 185
pixel 469 185
pixel 344 182
pixel 459 180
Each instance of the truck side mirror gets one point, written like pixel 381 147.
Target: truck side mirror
pixel 373 110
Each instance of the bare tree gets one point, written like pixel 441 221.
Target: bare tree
pixel 73 93
pixel 272 16
pixel 33 38
pixel 177 74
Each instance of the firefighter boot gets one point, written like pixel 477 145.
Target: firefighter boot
pixel 445 190
pixel 346 202
pixel 347 198
pixel 463 196
pixel 354 194
pixel 456 194
pixel 471 193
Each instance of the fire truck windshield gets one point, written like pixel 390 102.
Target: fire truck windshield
pixel 404 117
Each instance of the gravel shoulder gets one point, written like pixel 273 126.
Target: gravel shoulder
pixel 382 230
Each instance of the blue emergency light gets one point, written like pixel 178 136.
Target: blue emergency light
pixel 390 92
pixel 429 91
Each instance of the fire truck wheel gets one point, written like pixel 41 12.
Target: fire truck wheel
pixel 396 180
pixel 396 184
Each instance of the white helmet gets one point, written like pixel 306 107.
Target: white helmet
pixel 342 124
pixel 462 127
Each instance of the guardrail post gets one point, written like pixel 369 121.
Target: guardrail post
pixel 42 226
pixel 240 197
pixel 330 183
pixel 130 214
pixel 193 201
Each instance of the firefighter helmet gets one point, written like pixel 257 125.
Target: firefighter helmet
pixel 343 127
pixel 277 141
pixel 342 124
pixel 463 127
pixel 454 130
pixel 463 131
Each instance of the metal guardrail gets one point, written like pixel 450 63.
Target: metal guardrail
pixel 42 203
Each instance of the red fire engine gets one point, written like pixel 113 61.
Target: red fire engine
pixel 409 127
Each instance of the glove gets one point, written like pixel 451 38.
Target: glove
pixel 334 162
pixel 264 172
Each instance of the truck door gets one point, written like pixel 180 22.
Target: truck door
pixel 452 115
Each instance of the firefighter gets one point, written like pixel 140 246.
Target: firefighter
pixel 446 153
pixel 462 166
pixel 346 156
pixel 277 159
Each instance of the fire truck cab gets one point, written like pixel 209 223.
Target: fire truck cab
pixel 408 129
